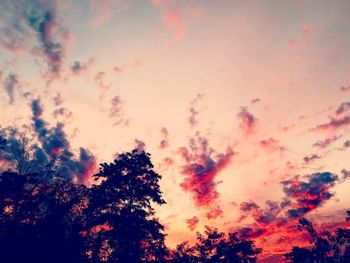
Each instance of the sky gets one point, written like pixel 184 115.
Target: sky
pixel 243 105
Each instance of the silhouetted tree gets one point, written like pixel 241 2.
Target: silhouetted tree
pixel 325 247
pixel 37 221
pixel 50 219
pixel 216 247
pixel 121 208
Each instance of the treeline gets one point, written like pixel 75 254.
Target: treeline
pixel 45 217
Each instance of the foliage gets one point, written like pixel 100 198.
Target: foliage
pixel 214 247
pixel 325 247
pixel 51 219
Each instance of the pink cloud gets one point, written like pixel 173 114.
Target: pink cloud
pixel 214 213
pixel 202 165
pixel 271 145
pixel 192 223
pixel 176 16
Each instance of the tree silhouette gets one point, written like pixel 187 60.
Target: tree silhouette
pixel 121 208
pixel 216 247
pixel 51 219
pixel 325 247
pixel 36 219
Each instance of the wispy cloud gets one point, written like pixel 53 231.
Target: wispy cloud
pixel 37 19
pixel 177 16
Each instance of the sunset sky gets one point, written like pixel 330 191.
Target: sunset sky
pixel 243 105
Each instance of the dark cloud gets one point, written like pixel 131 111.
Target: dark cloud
pixel 78 67
pixel 192 223
pixel 345 88
pixel 24 19
pixel 53 146
pixel 334 123
pixel 254 101
pixel 164 143
pixel 301 197
pixel 10 85
pixel 271 212
pixel 346 144
pixel 248 232
pixel 311 158
pixel 307 196
pixel 202 165
pixel 86 166
pixel 345 106
pixel 248 206
pixel 326 142
pixel 247 120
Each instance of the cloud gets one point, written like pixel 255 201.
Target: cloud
pixel 326 142
pixel 214 213
pixel 101 85
pixel 58 100
pixel 78 67
pixel 311 158
pixel 23 20
pixel 271 145
pixel 307 196
pixel 345 88
pixel 62 112
pixel 345 174
pixel 55 147
pixel 192 119
pixel 104 10
pixel 247 120
pixel 301 197
pixel 164 143
pixel 177 16
pixel 270 214
pixel 86 166
pixel 118 70
pixel 334 123
pixel 116 111
pixel 255 101
pixel 202 165
pixel 192 223
pixel 10 85
pixel 345 106
pixel 346 144
pixel 251 233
